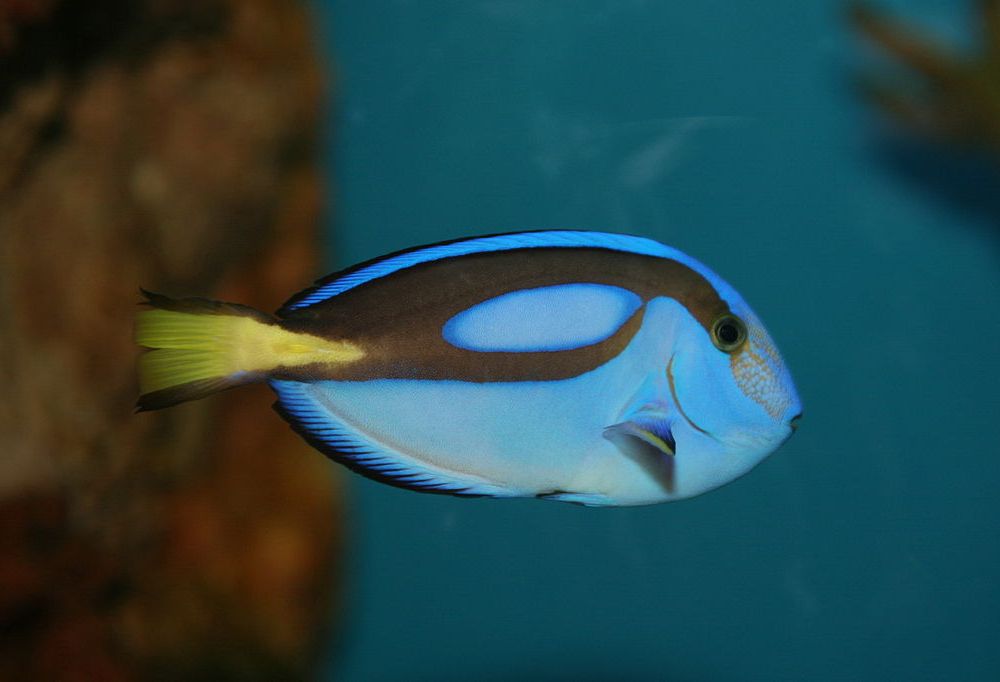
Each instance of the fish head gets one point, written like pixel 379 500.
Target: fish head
pixel 733 398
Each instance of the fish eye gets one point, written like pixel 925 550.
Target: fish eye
pixel 728 333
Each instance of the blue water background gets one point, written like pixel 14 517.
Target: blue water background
pixel 868 547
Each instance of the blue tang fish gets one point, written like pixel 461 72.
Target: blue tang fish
pixel 586 367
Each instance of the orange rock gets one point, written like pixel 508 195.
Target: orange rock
pixel 177 154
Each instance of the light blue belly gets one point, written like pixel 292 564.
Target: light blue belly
pixel 521 438
pixel 526 437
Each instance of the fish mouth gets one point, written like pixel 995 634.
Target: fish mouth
pixel 677 401
pixel 793 423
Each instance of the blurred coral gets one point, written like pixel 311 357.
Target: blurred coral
pixel 942 94
pixel 168 144
pixel 15 15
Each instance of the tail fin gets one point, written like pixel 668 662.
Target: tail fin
pixel 198 347
pixel 195 348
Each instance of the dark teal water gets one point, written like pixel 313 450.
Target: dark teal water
pixel 869 546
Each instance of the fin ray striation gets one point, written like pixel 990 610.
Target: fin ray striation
pixel 345 445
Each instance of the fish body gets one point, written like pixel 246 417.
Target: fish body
pixel 586 367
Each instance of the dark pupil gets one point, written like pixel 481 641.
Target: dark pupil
pixel 728 333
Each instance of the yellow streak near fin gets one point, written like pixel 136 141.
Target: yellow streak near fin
pixel 190 346
pixel 657 442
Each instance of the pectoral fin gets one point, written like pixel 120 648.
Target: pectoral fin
pixel 645 438
pixel 650 428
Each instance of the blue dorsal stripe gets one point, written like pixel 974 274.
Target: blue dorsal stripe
pixel 340 282
pixel 342 443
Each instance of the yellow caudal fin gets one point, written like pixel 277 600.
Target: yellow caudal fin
pixel 198 347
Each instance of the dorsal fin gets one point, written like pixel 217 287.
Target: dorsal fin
pixel 344 280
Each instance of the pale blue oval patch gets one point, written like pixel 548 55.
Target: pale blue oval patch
pixel 552 318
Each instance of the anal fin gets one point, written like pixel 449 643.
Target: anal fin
pixel 585 499
pixel 311 419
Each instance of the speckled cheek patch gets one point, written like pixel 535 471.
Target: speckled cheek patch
pixel 757 369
